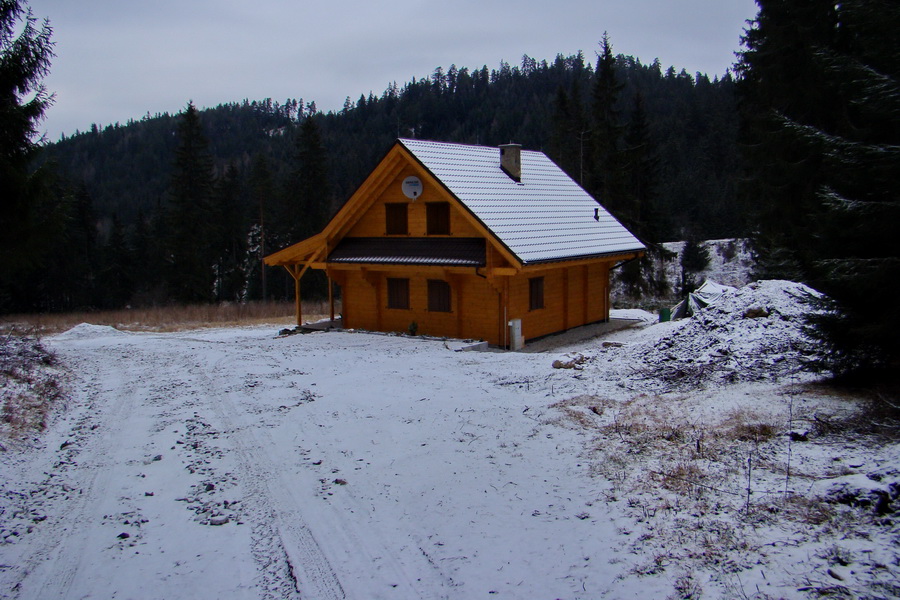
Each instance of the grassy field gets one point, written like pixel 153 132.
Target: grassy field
pixel 167 318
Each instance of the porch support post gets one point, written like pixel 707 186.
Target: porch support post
pixel 296 273
pixel 297 300
pixel 330 294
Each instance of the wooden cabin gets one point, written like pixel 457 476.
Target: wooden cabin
pixel 462 240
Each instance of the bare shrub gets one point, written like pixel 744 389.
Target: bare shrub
pixel 30 386
pixel 748 426
pixel 836 555
pixel 684 477
pixel 752 432
pixel 686 588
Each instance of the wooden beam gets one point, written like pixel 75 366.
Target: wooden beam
pixel 297 273
pixel 295 253
pixel 497 282
pixel 606 296
pixel 456 290
pixel 370 277
pixel 506 315
pixel 299 305
pixel 585 295
pixel 378 310
pixel 294 270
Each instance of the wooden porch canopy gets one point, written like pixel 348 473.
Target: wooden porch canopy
pixel 296 259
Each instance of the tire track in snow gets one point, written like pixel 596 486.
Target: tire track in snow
pixel 314 576
pixel 353 543
pixel 51 570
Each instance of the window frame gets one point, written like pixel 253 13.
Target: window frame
pixel 440 296
pixel 536 293
pixel 392 211
pixel 398 293
pixel 437 218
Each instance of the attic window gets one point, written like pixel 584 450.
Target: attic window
pixel 437 218
pixel 396 218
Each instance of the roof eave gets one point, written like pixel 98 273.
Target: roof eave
pixel 296 253
pixel 618 255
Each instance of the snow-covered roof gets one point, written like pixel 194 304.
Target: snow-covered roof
pixel 545 217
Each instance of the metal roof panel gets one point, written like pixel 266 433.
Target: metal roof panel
pixel 547 216
pixel 456 252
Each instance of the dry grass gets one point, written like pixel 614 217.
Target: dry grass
pixel 707 490
pixel 31 385
pixel 168 318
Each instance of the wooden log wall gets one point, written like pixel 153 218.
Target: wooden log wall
pixel 473 304
pixel 573 296
pixel 372 223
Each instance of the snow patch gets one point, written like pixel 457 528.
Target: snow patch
pixel 730 262
pixel 231 463
pixel 633 314
pixel 87 331
pixel 753 333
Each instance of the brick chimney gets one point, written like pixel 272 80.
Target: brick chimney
pixel 511 161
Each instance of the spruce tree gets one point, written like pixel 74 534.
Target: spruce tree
pixel 641 168
pixel 821 97
pixel 231 243
pixel 779 82
pixel 31 214
pixel 310 177
pixel 116 270
pixel 570 137
pixel 313 192
pixel 190 217
pixel 639 210
pixel 607 130
pixel 262 194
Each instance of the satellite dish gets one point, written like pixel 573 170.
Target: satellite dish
pixel 412 187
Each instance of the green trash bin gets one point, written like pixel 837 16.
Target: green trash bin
pixel 665 314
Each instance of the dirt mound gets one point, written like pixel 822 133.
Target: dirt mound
pixel 757 332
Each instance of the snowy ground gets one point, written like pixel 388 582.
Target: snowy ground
pixel 234 464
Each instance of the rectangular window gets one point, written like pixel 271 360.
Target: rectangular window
pixel 398 293
pixel 438 295
pixel 396 219
pixel 437 218
pixel 535 293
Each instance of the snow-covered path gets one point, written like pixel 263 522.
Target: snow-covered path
pixel 674 460
pixel 231 464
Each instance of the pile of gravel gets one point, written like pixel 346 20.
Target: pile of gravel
pixel 755 333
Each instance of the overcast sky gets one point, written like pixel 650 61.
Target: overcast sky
pixel 120 59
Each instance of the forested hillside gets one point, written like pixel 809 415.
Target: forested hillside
pixel 655 145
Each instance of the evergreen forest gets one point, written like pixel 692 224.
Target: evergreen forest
pixel 268 173
pixel 799 150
